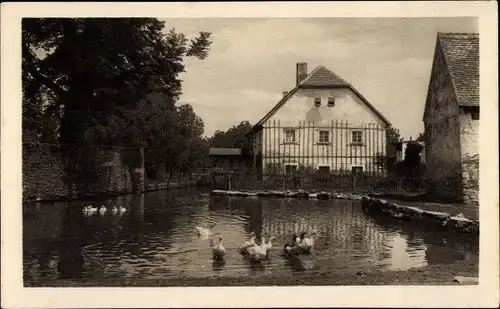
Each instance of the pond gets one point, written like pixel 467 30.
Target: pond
pixel 156 238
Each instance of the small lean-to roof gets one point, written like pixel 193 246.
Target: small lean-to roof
pixel 461 56
pixel 224 151
pixel 320 77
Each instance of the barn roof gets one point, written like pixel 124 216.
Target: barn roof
pixel 461 55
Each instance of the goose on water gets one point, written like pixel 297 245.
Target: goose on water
pixel 204 231
pixel 258 252
pixel 102 210
pixel 300 244
pixel 293 247
pixel 269 244
pixel 122 209
pixel 308 242
pixel 218 250
pixel 89 209
pixel 114 210
pixel 247 244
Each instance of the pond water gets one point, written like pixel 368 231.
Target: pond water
pixel 156 238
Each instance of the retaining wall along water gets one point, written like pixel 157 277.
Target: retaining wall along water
pixel 375 206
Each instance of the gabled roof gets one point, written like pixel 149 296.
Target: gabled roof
pixel 461 56
pixel 320 77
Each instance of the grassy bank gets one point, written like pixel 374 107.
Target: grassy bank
pixel 429 275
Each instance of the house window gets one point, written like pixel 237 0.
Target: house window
pixel 357 137
pixel 289 136
pixel 324 137
pixel 356 170
pixel 331 101
pixel 317 102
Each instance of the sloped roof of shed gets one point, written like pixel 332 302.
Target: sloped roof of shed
pixel 225 151
pixel 461 54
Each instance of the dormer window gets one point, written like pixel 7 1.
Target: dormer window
pixel 331 101
pixel 317 102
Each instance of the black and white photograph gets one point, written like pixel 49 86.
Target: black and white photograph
pixel 163 152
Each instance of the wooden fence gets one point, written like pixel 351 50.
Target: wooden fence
pixel 254 179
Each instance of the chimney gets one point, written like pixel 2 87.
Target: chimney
pixel 285 93
pixel 301 72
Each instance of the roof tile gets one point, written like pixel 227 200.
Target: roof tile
pixel 321 76
pixel 461 52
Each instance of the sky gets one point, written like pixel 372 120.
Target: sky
pixel 252 61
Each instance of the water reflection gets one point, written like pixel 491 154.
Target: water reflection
pixel 403 254
pixel 156 238
pixel 70 246
pixel 218 265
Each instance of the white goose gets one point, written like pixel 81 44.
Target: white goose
pixel 218 250
pixel 122 209
pixel 204 231
pixel 102 210
pixel 86 210
pixel 90 210
pixel 258 253
pixel 247 244
pixel 308 242
pixel 269 244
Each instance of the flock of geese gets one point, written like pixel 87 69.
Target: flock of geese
pixel 300 244
pixel 90 210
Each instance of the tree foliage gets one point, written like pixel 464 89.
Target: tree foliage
pixel 108 81
pixel 421 137
pixel 386 161
pixel 234 137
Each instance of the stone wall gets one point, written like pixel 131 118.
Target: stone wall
pixel 442 133
pixel 96 171
pixel 469 138
pixel 440 220
pixel 43 172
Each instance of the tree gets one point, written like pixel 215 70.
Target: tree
pixel 234 137
pixel 386 161
pixel 97 70
pixel 421 137
pixel 193 148
pixel 107 81
pixel 412 154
